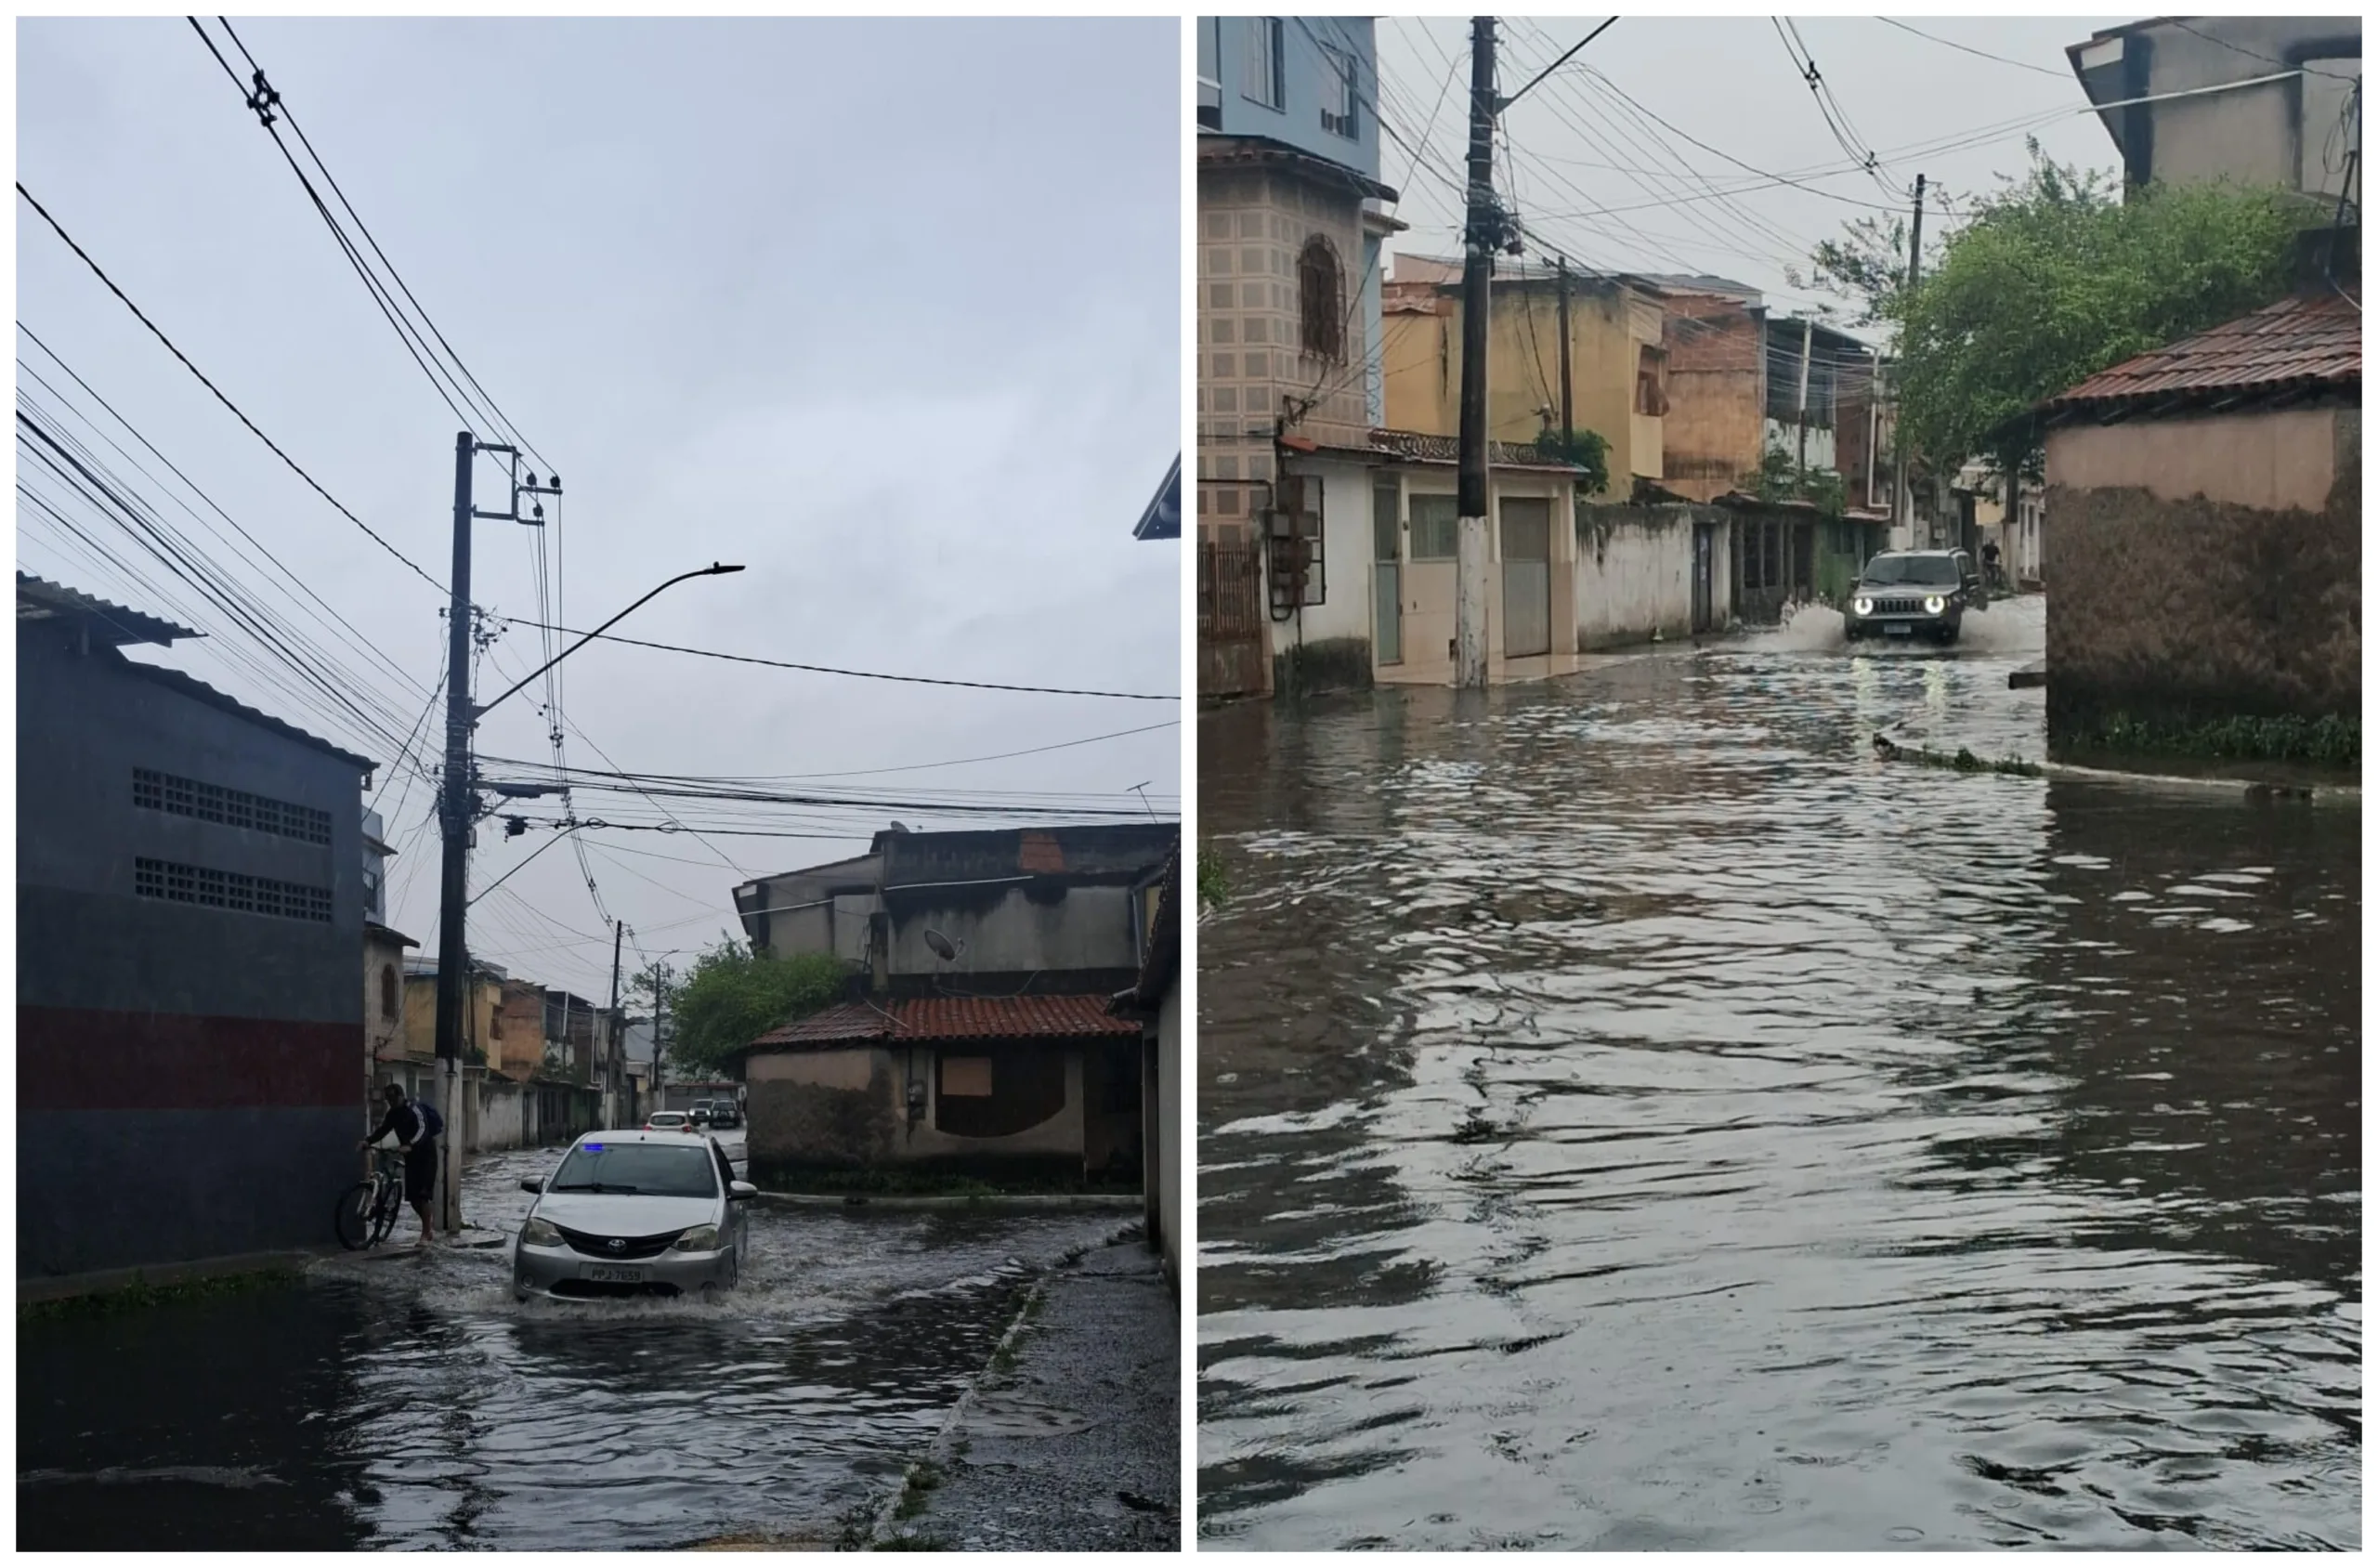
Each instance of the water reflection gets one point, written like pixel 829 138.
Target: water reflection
pixel 1633 1118
pixel 404 1404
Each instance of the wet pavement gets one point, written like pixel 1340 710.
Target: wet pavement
pixel 408 1403
pixel 1633 1116
pixel 1073 1441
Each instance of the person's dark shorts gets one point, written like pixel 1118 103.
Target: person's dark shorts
pixel 420 1171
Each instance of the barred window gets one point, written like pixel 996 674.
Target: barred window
pixel 234 808
pixel 230 889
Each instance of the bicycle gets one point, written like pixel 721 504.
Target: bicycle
pixel 368 1210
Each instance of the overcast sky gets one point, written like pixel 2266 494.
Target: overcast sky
pixel 1578 151
pixel 888 312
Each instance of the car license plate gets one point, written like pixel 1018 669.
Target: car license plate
pixel 1896 628
pixel 603 1276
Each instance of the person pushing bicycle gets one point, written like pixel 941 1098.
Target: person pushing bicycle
pixel 416 1125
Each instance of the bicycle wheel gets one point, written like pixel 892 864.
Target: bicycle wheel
pixel 354 1218
pixel 392 1200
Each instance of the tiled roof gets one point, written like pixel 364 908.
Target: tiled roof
pixel 2308 342
pixel 923 1019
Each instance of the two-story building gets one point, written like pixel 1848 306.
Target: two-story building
pixel 190 916
pixel 977 1036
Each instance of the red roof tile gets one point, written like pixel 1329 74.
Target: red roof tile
pixel 2309 340
pixel 953 1018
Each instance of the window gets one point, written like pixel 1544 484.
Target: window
pixel 388 990
pixel 1436 528
pixel 1650 381
pixel 212 802
pixel 1321 300
pixel 229 890
pixel 1266 48
pixel 1340 96
pixel 969 1076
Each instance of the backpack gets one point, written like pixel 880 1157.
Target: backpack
pixel 432 1124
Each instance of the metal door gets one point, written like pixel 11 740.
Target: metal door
pixel 1527 577
pixel 1705 551
pixel 1387 572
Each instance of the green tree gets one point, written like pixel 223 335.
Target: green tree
pixel 731 995
pixel 1587 450
pixel 2047 281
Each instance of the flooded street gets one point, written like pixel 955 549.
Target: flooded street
pixel 407 1404
pixel 1634 1117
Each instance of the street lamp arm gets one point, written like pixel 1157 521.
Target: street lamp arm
pixel 713 569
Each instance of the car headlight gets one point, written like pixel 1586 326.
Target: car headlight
pixel 1863 605
pixel 702 1238
pixel 537 1232
pixel 1934 605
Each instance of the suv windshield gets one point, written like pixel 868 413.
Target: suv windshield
pixel 655 1169
pixel 1931 572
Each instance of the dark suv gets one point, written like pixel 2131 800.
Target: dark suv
pixel 1915 593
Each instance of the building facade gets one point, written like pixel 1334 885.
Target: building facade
pixel 190 921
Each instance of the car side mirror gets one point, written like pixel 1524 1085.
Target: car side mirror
pixel 532 1185
pixel 741 1192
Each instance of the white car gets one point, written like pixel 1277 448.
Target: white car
pixel 668 1121
pixel 635 1214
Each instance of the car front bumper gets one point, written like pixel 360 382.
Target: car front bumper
pixel 563 1274
pixel 1901 627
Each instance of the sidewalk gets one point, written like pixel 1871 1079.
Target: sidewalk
pixel 1072 1440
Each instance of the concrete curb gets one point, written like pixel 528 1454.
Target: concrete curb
pixel 107 1282
pixel 938 1449
pixel 2240 789
pixel 1125 1202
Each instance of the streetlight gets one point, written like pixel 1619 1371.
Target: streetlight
pixel 463 716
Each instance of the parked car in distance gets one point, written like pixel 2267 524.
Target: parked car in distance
pixel 667 1121
pixel 726 1113
pixel 635 1214
pixel 1915 594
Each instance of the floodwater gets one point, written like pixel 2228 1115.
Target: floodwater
pixel 411 1404
pixel 1634 1117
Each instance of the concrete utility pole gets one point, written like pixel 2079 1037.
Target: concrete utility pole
pixel 1481 237
pixel 1902 505
pixel 659 1006
pixel 1568 415
pixel 1808 343
pixel 611 1052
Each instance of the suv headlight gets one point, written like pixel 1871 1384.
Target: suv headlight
pixel 537 1232
pixel 702 1238
pixel 1934 603
pixel 1863 605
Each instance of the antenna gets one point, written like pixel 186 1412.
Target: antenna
pixel 943 948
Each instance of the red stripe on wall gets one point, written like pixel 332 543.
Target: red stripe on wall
pixel 82 1059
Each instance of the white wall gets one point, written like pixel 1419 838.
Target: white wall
pixel 1635 575
pixel 1345 609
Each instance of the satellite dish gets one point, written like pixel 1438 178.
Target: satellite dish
pixel 944 948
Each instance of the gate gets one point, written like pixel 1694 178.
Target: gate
pixel 1231 658
pixel 1704 551
pixel 1527 577
pixel 1387 571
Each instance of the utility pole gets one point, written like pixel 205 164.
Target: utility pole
pixel 1481 237
pixel 455 820
pixel 1808 343
pixel 1568 415
pixel 611 1054
pixel 659 1006
pixel 1902 505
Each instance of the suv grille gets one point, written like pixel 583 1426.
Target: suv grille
pixel 631 1248
pixel 1899 607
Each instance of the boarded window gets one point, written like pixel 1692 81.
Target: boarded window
pixel 1650 381
pixel 966 1076
pixel 388 990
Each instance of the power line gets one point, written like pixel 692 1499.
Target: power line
pixel 860 674
pixel 220 396
pixel 1967 48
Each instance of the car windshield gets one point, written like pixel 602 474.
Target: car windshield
pixel 654 1170
pixel 1930 571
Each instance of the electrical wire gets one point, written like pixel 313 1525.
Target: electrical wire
pixel 1967 48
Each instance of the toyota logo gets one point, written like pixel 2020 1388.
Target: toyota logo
pixel 616 1244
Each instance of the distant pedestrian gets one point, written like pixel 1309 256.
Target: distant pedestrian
pixel 417 1127
pixel 1990 560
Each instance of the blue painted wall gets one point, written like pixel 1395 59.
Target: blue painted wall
pixel 1225 47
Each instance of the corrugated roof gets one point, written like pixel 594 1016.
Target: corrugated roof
pixel 38 598
pixel 199 691
pixel 924 1019
pixel 2306 341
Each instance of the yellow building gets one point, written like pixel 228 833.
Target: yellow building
pixel 482 1028
pixel 1617 368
